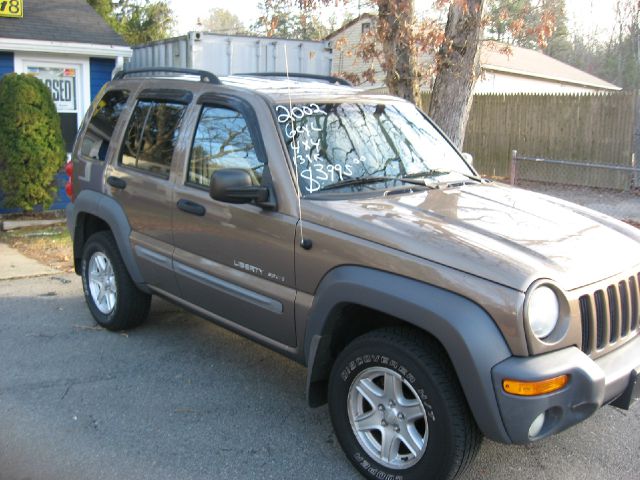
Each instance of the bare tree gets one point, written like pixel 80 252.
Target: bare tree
pixel 221 20
pixel 625 43
pixel 395 21
pixel 458 68
pixel 399 38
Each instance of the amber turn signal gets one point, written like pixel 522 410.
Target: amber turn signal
pixel 529 389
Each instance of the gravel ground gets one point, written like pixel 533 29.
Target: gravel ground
pixel 621 205
pixel 182 399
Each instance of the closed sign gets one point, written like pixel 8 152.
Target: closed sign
pixel 61 82
pixel 62 90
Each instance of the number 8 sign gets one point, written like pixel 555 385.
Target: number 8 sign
pixel 11 8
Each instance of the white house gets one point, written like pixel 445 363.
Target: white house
pixel 522 70
pixel 519 70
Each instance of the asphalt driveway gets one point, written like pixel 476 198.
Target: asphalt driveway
pixel 180 398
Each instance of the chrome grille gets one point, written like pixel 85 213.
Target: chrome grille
pixel 610 314
pixel 634 286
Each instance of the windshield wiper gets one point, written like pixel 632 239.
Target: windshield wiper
pixel 437 171
pixel 367 180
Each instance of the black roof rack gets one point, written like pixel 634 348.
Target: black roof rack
pixel 313 76
pixel 203 74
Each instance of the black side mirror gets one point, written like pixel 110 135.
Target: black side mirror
pixel 233 185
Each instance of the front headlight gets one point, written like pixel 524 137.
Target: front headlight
pixel 542 311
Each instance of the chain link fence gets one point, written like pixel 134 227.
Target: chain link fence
pixel 610 189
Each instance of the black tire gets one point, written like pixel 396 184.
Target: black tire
pixel 129 306
pixel 449 435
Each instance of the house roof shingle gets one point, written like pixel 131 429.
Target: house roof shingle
pixel 519 61
pixel 532 63
pixel 349 24
pixel 60 21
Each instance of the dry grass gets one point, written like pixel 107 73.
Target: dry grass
pixel 51 246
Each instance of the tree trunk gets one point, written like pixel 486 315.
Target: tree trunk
pixel 395 20
pixel 458 69
pixel 635 183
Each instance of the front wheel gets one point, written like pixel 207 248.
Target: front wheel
pixel 113 299
pixel 398 410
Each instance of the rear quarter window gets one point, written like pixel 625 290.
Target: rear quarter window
pixel 99 132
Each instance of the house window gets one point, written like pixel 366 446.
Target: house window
pixel 63 81
pixel 366 27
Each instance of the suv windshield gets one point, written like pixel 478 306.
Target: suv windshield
pixel 365 146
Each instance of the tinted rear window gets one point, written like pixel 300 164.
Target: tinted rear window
pixel 97 137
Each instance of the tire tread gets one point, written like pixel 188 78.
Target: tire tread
pixel 428 352
pixel 132 307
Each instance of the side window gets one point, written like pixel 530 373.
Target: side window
pixel 95 142
pixel 222 140
pixel 151 136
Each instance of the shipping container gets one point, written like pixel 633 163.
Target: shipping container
pixel 229 54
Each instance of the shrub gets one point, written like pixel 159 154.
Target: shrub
pixel 32 150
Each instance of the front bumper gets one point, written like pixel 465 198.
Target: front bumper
pixel 592 384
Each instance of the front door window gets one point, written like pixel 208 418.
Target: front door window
pixel 223 140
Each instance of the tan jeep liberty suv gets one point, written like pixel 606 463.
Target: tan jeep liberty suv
pixel 342 229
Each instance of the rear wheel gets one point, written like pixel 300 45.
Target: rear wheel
pixel 113 299
pixel 398 410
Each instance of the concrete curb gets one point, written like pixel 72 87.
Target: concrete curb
pixel 14 224
pixel 15 265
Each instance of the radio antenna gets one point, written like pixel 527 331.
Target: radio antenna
pixel 304 243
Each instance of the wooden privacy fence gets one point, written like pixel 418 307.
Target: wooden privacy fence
pixel 596 129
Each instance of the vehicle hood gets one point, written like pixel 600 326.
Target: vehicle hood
pixel 500 233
